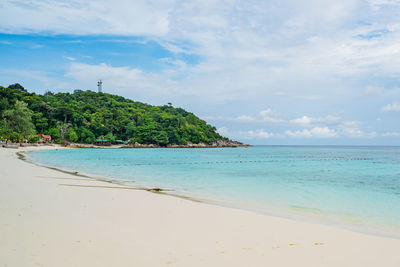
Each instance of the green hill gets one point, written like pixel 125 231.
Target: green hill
pixel 85 116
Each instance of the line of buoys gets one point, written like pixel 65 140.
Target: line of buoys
pixel 241 161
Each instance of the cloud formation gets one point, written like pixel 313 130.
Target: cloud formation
pixel 80 17
pixel 313 127
pixel 317 132
pixel 308 121
pixel 125 80
pixel 248 135
pixel 263 48
pixel 395 106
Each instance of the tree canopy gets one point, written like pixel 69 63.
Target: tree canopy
pixel 90 116
pixel 19 119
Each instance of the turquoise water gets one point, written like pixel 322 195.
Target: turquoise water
pixel 356 187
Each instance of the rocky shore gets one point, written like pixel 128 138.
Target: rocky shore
pixel 219 143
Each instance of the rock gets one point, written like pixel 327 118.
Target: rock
pixel 218 143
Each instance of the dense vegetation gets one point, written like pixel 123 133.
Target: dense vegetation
pixel 86 116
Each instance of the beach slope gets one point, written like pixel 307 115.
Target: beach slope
pixel 51 218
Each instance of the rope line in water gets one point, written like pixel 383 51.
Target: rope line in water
pixel 235 162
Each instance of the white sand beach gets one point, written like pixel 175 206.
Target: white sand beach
pixel 51 218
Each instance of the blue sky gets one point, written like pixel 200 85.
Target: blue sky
pixel 262 72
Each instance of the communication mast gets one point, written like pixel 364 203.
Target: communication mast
pixel 99 86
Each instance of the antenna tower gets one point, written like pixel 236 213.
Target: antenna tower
pixel 99 86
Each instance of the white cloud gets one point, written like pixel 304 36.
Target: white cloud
pixel 128 81
pixel 353 132
pixel 374 90
pixel 250 50
pixel 352 129
pixel 41 80
pixel 40 76
pixel 304 121
pixel 122 17
pixel 308 121
pixel 224 131
pixel 69 58
pixel 258 134
pixel 245 118
pixel 248 135
pixel 391 134
pixel 268 115
pixel 383 2
pixel 395 106
pixel 316 132
pixel 264 116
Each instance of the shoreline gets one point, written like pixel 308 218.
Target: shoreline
pixel 284 213
pixel 215 144
pixel 21 155
pixel 60 219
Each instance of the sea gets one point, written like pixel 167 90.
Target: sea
pixel 356 188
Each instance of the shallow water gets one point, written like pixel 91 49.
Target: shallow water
pixel 356 187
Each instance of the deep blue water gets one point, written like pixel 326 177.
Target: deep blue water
pixel 356 187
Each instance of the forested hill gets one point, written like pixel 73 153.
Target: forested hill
pixel 86 116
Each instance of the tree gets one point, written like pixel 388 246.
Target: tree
pixel 16 137
pixel 17 86
pixel 55 134
pixel 34 138
pixel 64 129
pixel 86 135
pixel 72 136
pixel 40 121
pixel 161 138
pixel 110 137
pixel 20 119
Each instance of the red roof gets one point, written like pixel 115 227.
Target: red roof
pixel 45 136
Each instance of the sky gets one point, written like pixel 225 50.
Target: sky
pixel 273 72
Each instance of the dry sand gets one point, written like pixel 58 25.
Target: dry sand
pixel 46 219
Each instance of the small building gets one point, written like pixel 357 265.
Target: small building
pixel 102 142
pixel 45 138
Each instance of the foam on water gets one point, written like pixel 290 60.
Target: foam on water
pixel 356 187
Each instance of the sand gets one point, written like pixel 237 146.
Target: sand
pixel 50 218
